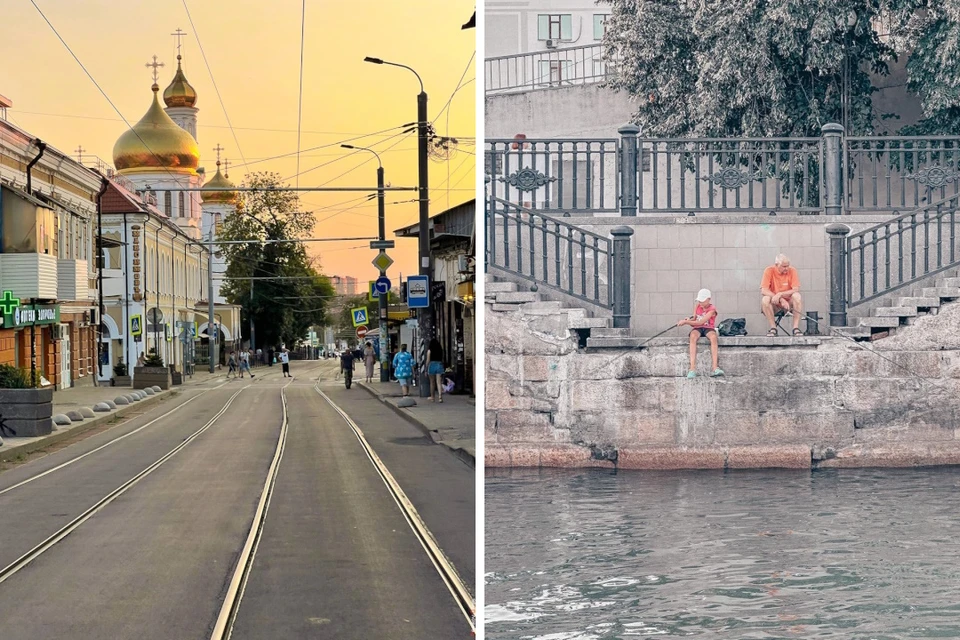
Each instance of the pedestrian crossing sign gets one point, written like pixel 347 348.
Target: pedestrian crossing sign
pixel 372 292
pixel 360 316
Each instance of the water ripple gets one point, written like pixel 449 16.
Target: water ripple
pixel 596 555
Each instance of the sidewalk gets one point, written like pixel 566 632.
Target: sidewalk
pixel 452 423
pixel 77 399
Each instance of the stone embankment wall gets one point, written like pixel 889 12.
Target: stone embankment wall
pixel 829 404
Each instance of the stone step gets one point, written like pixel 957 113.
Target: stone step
pixel 941 292
pixel 895 312
pixel 879 323
pixel 517 297
pixel 609 332
pixel 931 302
pixel 541 307
pixel 589 323
pixel 499 287
pixel 575 312
pixel 851 332
pixel 950 282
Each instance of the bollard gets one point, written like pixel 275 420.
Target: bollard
pixel 838 282
pixel 628 169
pixel 832 168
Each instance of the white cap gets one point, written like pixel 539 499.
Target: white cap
pixel 703 294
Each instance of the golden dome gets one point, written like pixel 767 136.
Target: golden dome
pixel 180 93
pixel 156 143
pixel 224 193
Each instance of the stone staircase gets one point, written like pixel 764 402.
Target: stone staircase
pixel 507 297
pixel 903 311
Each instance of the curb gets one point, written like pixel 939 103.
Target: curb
pixel 10 454
pixel 465 456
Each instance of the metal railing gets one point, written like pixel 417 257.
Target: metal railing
pixel 717 174
pixel 547 250
pixel 901 251
pixel 563 175
pixel 900 172
pixel 552 68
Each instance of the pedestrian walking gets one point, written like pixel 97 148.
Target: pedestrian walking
pixel 245 363
pixel 271 359
pixel 259 357
pixel 285 361
pixel 232 364
pixel 369 357
pixel 435 369
pixel 403 367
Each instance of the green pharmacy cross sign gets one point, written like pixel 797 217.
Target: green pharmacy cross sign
pixel 8 303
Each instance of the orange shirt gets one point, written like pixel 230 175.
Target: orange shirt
pixel 777 283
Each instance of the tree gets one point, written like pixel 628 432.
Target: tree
pixel 772 68
pixel 343 320
pixel 293 296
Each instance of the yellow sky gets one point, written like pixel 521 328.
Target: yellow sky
pixel 253 49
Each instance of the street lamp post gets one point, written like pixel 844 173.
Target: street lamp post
pixel 211 325
pixel 426 314
pixel 384 302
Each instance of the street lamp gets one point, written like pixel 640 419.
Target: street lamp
pixel 384 301
pixel 425 314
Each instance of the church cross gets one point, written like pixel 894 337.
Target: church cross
pixel 218 149
pixel 156 65
pixel 226 168
pixel 8 303
pixel 178 34
pixel 80 151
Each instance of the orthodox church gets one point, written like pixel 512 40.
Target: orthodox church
pixel 163 231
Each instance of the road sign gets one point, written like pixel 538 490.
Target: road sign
pixel 362 331
pixel 372 291
pixel 418 292
pixel 382 261
pixel 360 316
pixel 382 244
pixel 382 285
pixel 136 325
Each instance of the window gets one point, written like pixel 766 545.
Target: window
pixel 555 26
pixel 554 71
pixel 167 205
pixel 599 25
pixel 182 214
pixel 26 226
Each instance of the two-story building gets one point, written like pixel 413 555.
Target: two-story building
pixel 48 310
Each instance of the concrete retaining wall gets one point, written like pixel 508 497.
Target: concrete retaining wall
pixel 828 404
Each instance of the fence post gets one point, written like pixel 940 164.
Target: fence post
pixel 621 276
pixel 832 168
pixel 629 163
pixel 838 276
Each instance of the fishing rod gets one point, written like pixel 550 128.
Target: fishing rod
pixel 642 344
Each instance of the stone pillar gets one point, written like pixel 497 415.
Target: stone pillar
pixel 832 168
pixel 629 163
pixel 621 276
pixel 838 274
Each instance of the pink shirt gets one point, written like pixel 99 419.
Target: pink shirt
pixel 702 311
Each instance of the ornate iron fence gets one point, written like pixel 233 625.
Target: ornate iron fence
pixel 900 251
pixel 550 251
pixel 716 174
pixel 905 172
pixel 555 175
pixel 552 68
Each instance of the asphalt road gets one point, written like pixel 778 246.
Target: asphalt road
pixel 336 559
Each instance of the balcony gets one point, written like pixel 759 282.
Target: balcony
pixel 29 275
pixel 113 284
pixel 72 282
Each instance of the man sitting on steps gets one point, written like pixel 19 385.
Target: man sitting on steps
pixel 780 289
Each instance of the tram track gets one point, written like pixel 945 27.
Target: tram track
pixel 14 567
pixel 444 567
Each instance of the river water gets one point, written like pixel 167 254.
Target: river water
pixel 600 555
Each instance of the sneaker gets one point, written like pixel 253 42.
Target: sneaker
pixel 691 374
pixel 717 373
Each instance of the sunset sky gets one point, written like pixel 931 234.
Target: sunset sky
pixel 253 49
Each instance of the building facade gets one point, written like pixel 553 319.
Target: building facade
pixel 48 313
pixel 540 25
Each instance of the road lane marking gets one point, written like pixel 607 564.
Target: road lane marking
pixel 231 602
pixel 11 569
pixel 448 573
pixel 104 446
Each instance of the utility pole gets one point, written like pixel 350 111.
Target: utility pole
pixel 253 342
pixel 384 297
pixel 211 326
pixel 426 314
